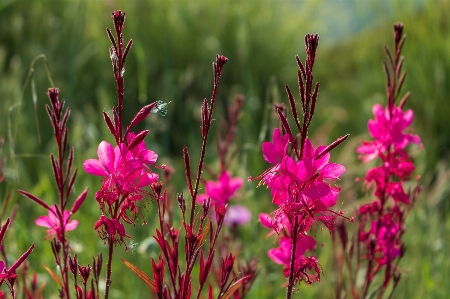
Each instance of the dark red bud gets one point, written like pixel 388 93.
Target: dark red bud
pixel 138 139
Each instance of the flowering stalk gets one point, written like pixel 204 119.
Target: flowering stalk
pixel 58 216
pixel 126 167
pixel 302 180
pixel 381 223
pixel 196 227
pixel 219 192
pixel 9 274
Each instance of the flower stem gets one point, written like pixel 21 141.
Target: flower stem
pixel 291 283
pixel 109 266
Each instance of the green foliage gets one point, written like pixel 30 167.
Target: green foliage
pixel 174 45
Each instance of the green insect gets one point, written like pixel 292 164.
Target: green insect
pixel 160 108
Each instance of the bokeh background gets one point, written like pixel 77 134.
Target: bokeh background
pixel 175 43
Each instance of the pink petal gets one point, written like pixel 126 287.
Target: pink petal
pixel 147 156
pixel 130 166
pixel 94 167
pixel 265 220
pixel 106 155
pixel 332 170
pixel 316 190
pixel 235 184
pixel 269 152
pixel 308 150
pixel 71 225
pixel 44 221
pixel 319 163
pixel 120 154
pixel 304 243
pixel 377 110
pixel 147 179
pixel 53 216
pixel 213 189
pixel 278 256
pixel 328 200
pixel 408 117
pixel 202 197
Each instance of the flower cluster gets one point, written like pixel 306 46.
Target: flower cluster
pixel 220 193
pixel 304 191
pixel 126 172
pixel 381 223
pixel 390 130
pixel 125 167
pixel 302 181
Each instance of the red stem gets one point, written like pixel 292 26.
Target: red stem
pixel 109 265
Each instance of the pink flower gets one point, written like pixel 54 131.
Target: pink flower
pixel 282 255
pixel 125 172
pixel 277 225
pixel 111 161
pixel 388 130
pixel 52 221
pixel 275 151
pixel 385 235
pixel 220 192
pixel 237 215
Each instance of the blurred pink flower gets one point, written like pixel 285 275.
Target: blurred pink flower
pixel 52 222
pixel 282 255
pixel 221 191
pixel 388 130
pixel 237 215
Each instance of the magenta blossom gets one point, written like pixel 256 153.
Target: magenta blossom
pixel 388 130
pixel 220 192
pixel 125 172
pixel 275 151
pixel 52 222
pixel 385 235
pixel 282 255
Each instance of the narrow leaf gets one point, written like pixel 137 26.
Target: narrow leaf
pixel 127 49
pixel 53 275
pixel 331 146
pixel 141 274
pixel 233 287
pixel 204 234
pixel 22 258
pixel 35 199
pixel 3 229
pixel 187 164
pixel 79 200
pixel 109 124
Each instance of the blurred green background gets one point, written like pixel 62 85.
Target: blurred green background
pixel 175 43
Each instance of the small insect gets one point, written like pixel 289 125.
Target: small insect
pixel 131 247
pixel 160 108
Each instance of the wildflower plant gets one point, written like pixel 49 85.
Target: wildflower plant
pixel 200 234
pixel 57 221
pixel 302 181
pixel 377 247
pixel 127 170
